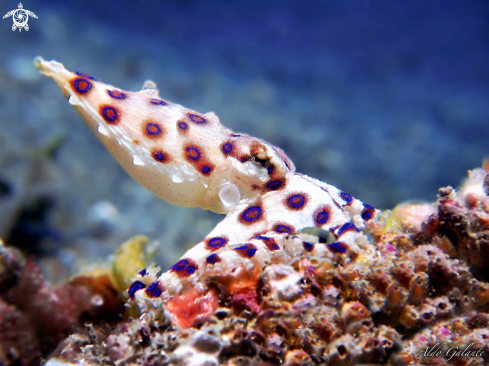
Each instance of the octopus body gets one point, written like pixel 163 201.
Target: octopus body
pixel 189 159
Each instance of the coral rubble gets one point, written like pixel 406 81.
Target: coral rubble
pixel 408 288
pixel 35 317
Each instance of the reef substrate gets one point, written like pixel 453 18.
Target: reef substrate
pixel 420 280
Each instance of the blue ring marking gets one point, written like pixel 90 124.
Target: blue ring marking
pixel 261 237
pixel 151 287
pixel 275 246
pixel 336 246
pixel 180 265
pixel 322 217
pixel 346 196
pixel 251 252
pixel 122 96
pixel 367 215
pixel 278 229
pixel 205 169
pixel 226 148
pixel 308 246
pixel 241 247
pixel 216 242
pixel 212 258
pixel 157 102
pixel 245 214
pixel 296 205
pixel 243 160
pixel 368 206
pixel 182 125
pixel 143 272
pixel 159 156
pixel 196 115
pixel 84 75
pixel 153 125
pixel 81 90
pixel 196 151
pixel 156 292
pixel 111 119
pixel 235 135
pixel 270 170
pixel 190 270
pixel 274 185
pixel 136 286
pixel 345 227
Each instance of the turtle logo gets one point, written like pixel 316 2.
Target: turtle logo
pixel 20 17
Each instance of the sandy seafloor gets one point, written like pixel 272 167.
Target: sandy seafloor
pixel 387 100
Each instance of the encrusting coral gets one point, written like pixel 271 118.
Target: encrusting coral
pixel 403 291
pixel 298 272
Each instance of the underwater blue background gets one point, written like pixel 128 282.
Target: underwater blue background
pixel 387 100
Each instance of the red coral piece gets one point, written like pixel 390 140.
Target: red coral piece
pixel 192 307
